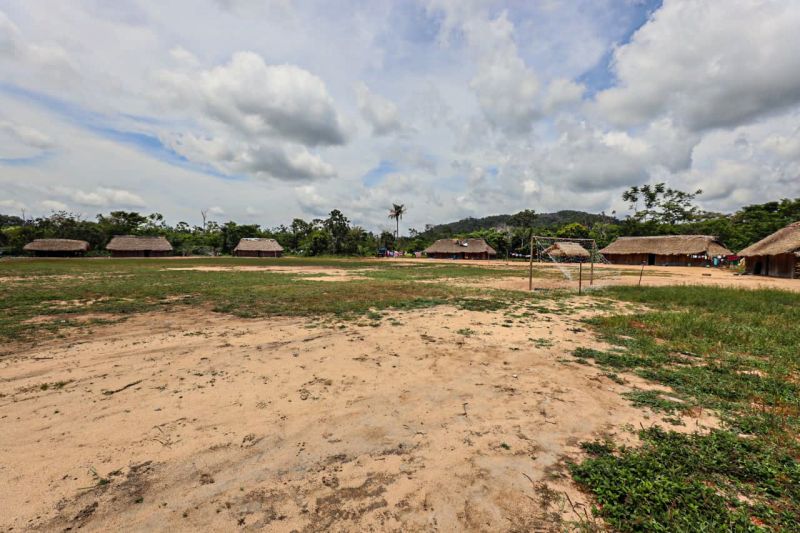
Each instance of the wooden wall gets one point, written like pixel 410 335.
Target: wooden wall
pixel 779 266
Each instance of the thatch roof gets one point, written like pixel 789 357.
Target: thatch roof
pixel 783 241
pixel 459 246
pixel 253 244
pixel 667 245
pixel 134 243
pixel 567 249
pixel 56 245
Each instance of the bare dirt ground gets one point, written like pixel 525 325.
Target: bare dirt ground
pixel 437 419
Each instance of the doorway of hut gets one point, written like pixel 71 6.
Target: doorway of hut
pixel 651 259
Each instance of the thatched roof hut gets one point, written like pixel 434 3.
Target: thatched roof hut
pixel 776 255
pixel 139 246
pixel 460 249
pixel 57 247
pixel 664 250
pixel 257 247
pixel 568 250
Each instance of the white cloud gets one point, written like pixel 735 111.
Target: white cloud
pixel 26 135
pixel 379 112
pixel 507 90
pixel 54 205
pixel 561 93
pixel 230 156
pixel 708 64
pixel 256 99
pixel 103 197
pixel 12 206
pixel 260 119
pixel 50 60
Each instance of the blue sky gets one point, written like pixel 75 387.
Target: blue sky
pixel 455 108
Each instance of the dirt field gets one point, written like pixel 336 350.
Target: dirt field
pixel 431 419
pixel 182 421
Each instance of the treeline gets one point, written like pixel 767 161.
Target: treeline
pixel 333 235
pixel 657 210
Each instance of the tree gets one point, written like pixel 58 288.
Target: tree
pixel 523 221
pixel 387 240
pixel 337 226
pixel 662 204
pixel 573 231
pixel 396 212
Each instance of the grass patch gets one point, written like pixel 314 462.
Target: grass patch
pixel 654 401
pixel 34 290
pixel 730 350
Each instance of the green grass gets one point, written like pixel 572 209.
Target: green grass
pixel 61 289
pixel 734 351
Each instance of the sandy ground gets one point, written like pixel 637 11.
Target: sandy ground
pixel 438 419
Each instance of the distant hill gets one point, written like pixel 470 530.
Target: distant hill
pixel 543 221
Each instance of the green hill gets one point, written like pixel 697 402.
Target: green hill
pixel 543 221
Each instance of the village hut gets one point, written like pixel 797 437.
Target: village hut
pixel 460 249
pixel 665 250
pixel 570 252
pixel 138 246
pixel 777 255
pixel 255 247
pixel 57 248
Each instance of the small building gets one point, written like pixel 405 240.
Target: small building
pixel 257 247
pixel 568 252
pixel 460 249
pixel 777 255
pixel 57 248
pixel 665 250
pixel 138 246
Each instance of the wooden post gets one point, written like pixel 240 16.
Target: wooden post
pixel 591 273
pixel 580 278
pixel 640 274
pixel 530 268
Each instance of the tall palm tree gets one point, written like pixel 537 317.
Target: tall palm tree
pixel 396 212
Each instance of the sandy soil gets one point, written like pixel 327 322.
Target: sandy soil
pixel 435 419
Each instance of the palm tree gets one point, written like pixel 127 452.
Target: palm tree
pixel 396 212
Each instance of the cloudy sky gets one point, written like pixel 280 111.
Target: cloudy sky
pixel 262 111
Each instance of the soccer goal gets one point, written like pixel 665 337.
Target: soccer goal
pixel 574 258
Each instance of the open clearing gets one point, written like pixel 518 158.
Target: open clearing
pixel 244 394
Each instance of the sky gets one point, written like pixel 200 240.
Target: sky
pixel 264 111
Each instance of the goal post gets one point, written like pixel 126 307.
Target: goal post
pixel 563 251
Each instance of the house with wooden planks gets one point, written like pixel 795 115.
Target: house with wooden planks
pixel 139 246
pixel 665 250
pixel 258 247
pixel 57 248
pixel 460 249
pixel 777 255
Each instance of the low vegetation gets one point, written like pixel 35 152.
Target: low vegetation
pixel 38 295
pixel 732 351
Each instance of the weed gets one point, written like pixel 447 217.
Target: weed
pixel 733 351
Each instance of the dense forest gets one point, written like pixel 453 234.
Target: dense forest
pixel 657 210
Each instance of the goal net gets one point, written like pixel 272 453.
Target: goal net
pixel 572 258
